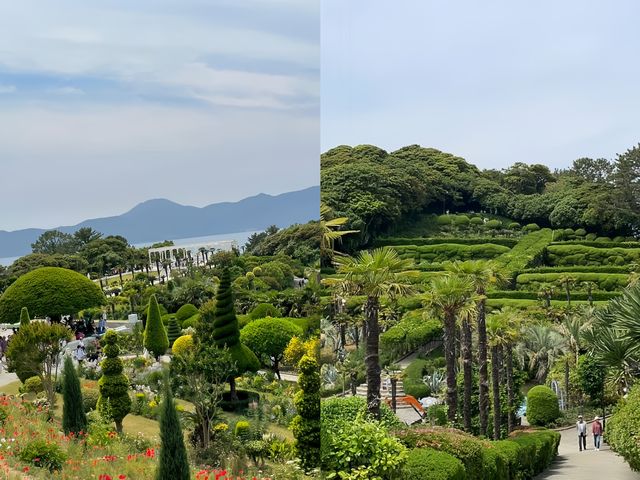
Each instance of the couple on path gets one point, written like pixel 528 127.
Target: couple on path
pixel 596 430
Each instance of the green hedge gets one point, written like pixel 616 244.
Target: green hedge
pixel 522 304
pixel 579 268
pixel 528 252
pixel 623 428
pixel 410 333
pixel 576 254
pixel 605 281
pixel 338 409
pixel 450 251
pixel 391 241
pixel 520 457
pixel 542 406
pixel 412 378
pixel 430 464
pixel 558 294
pixel 600 244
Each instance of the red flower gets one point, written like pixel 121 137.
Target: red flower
pixel 122 476
pixel 151 453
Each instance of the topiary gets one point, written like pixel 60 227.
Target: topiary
pixel 74 419
pixel 49 291
pixel 242 429
pixel 493 224
pixel 445 220
pixel 191 321
pixel 173 332
pixel 155 335
pixel 114 401
pixel 531 227
pixel 186 311
pixel 476 221
pixel 514 226
pixel 581 232
pixel 542 406
pixel 263 310
pixel 268 338
pixel 182 345
pixel 32 385
pixel 24 317
pixel 439 465
pixel 306 424
pixel 90 399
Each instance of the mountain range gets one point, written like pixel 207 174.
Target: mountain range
pixel 159 219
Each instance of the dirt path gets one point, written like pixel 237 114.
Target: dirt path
pixel 571 463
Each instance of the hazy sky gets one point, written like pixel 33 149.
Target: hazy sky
pixel 104 104
pixel 494 81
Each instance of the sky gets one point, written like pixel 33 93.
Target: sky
pixel 495 82
pixel 105 104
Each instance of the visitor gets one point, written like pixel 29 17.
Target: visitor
pixel 80 354
pixel 596 429
pixel 582 433
pixel 102 324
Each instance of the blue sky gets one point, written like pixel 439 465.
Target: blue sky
pixel 104 104
pixel 496 82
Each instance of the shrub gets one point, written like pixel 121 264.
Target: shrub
pixel 74 419
pixel 537 450
pixel 542 406
pixel 605 281
pixel 493 224
pixel 32 385
pixel 623 428
pixel 531 227
pixel 24 317
pixel 43 454
pixel 396 241
pixel 114 401
pixel 191 322
pixel 242 429
pixel 305 426
pixel 581 232
pixel 412 379
pixel 173 332
pixel 450 251
pixel 263 310
pixel 347 409
pixel 603 239
pixel 590 236
pixel 90 398
pixel 445 220
pixel 423 463
pixel 461 220
pixel 186 311
pixel 182 345
pixel 173 463
pixel 410 333
pixel 155 335
pixel 528 252
pixel 514 226
pixel 268 338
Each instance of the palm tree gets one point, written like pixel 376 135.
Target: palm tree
pixel 376 273
pixel 567 281
pixel 331 232
pixel 589 286
pixel 497 328
pixel 451 297
pixel 572 328
pixel 482 274
pixel 546 291
pixel 542 345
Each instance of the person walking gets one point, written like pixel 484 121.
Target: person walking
pixel 596 429
pixel 582 433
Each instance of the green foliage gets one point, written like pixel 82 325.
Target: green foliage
pixel 306 424
pixel 182 345
pixel 186 311
pixel 412 379
pixel 32 385
pixel 268 338
pixel 542 406
pixel 493 224
pixel 263 310
pixel 242 430
pixel 191 321
pixel 348 409
pixel 423 462
pixel 531 227
pixel 155 335
pixel 43 454
pixel 24 316
pixel 450 251
pixel 528 252
pixel 623 428
pixel 173 331
pixel 301 242
pixel 538 448
pixel 173 463
pixel 114 401
pixel 394 241
pixel 592 375
pixel 49 291
pixel 74 419
pixel 604 281
pixel 581 254
pixel 410 333
pixel 90 399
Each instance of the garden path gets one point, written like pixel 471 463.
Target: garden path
pixel 586 465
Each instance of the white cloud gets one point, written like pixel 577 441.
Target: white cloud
pixel 67 91
pixel 7 88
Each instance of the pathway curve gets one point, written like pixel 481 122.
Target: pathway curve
pixel 571 463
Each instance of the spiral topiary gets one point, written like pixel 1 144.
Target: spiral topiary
pixel 114 401
pixel 173 331
pixel 155 335
pixel 306 424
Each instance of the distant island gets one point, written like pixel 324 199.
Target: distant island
pixel 161 218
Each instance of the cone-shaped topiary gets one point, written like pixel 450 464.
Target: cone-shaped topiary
pixel 74 419
pixel 306 424
pixel 173 463
pixel 24 316
pixel 114 401
pixel 173 332
pixel 155 335
pixel 225 332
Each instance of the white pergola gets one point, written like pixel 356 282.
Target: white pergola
pixel 196 252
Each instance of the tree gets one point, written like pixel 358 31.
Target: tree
pixel 49 291
pixel 24 317
pixel 592 375
pixel 74 418
pixel 114 401
pixel 567 281
pixel 220 328
pixel 54 241
pixel 86 235
pixel 306 424
pixel 268 338
pixel 451 297
pixel 173 332
pixel 155 335
pixel 36 349
pixel 374 274
pixel 331 232
pixel 592 171
pixel 572 329
pixel 541 347
pixel 481 274
pixel 173 463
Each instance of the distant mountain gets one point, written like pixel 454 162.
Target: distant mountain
pixel 161 219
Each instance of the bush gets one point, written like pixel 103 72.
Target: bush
pixel 528 252
pixel 395 241
pixel 191 322
pixel 305 426
pixel 581 232
pixel 426 463
pixel 542 406
pixel 537 450
pixel 411 332
pixel 590 236
pixel 90 399
pixel 412 379
pixel 43 454
pixel 32 385
pixel 493 224
pixel 347 409
pixel 450 251
pixel 623 428
pixel 268 338
pixel 263 310
pixel 155 335
pixel 531 227
pixel 605 281
pixel 186 311
pixel 182 345
pixel 445 220
pixel 242 430
pixel 514 226
pixel 114 401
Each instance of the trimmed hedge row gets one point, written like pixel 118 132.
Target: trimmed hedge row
pixel 390 241
pixel 522 456
pixel 600 244
pixel 558 294
pixel 579 268
pixel 410 333
pixel 427 463
pixel 450 251
pixel 605 281
pixel 498 303
pixel 529 251
pixel 561 255
pixel 412 379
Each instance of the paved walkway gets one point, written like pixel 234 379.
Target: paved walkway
pixel 571 463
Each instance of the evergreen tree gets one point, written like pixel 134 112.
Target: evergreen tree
pixel 173 332
pixel 224 331
pixel 173 463
pixel 24 317
pixel 114 401
pixel 306 424
pixel 155 335
pixel 74 419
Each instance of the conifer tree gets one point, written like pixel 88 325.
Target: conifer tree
pixel 173 463
pixel 74 419
pixel 155 335
pixel 306 424
pixel 173 332
pixel 24 317
pixel 114 401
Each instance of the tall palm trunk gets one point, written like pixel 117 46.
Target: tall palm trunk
pixel 466 368
pixel 566 286
pixel 566 382
pixel 510 392
pixel 372 360
pixel 495 380
pixel 482 367
pixel 450 359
